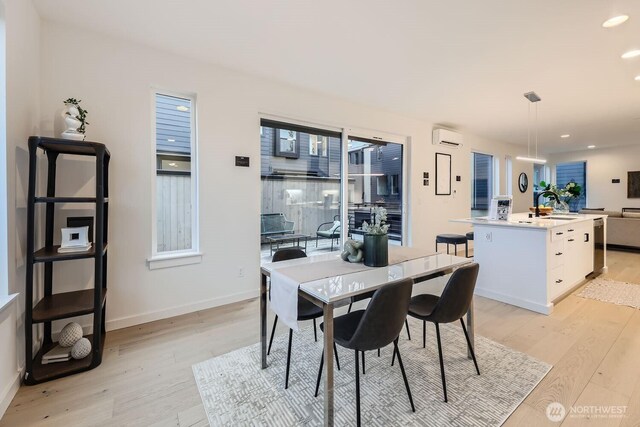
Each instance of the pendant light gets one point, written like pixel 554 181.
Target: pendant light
pixel 533 99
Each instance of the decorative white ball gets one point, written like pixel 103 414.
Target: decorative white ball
pixel 70 334
pixel 81 349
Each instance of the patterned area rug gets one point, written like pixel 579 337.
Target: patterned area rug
pixel 235 391
pixel 621 293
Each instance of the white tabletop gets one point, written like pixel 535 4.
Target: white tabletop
pixel 336 288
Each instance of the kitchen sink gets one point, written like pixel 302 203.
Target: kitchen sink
pixel 561 218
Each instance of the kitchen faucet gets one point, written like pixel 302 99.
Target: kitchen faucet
pixel 547 193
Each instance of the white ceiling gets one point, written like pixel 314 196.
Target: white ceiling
pixel 463 63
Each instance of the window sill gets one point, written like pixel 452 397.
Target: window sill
pixel 5 301
pixel 174 260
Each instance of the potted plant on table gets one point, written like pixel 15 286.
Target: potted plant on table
pixel 376 239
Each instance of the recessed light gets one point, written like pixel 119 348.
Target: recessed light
pixel 631 54
pixel 591 146
pixel 566 135
pixel 182 108
pixel 171 140
pixel 637 77
pixel 615 21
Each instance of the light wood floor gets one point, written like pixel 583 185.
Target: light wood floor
pixel 146 379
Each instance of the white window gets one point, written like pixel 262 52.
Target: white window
pixel 175 159
pixel 4 263
pixel 509 174
pixel 318 145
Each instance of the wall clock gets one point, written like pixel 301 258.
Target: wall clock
pixel 523 182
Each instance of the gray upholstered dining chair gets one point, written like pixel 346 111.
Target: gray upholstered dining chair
pixel 450 306
pixel 377 326
pixel 306 310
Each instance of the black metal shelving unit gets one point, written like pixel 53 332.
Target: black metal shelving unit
pixel 55 306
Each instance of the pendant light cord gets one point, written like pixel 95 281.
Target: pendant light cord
pixel 529 129
pixel 536 130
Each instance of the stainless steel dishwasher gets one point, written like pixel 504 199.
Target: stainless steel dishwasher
pixel 598 245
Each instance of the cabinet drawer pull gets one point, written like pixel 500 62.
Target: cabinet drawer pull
pixel 571 240
pixel 571 230
pixel 560 233
pixel 559 281
pixel 558 253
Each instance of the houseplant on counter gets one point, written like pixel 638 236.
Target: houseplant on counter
pixel 376 239
pixel 571 192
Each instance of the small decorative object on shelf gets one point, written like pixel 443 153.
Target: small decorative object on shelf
pixel 75 239
pixel 70 334
pixel 376 240
pixel 75 119
pixel 81 349
pixel 353 251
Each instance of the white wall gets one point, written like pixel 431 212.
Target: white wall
pixel 603 165
pixel 114 79
pixel 22 98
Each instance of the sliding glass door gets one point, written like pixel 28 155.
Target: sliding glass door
pixel 375 178
pixel 300 174
pixel 309 174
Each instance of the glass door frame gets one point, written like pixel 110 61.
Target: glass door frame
pixel 344 171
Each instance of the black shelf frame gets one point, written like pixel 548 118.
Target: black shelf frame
pixel 81 302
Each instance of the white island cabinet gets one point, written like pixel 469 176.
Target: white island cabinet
pixel 533 262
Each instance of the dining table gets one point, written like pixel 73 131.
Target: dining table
pixel 328 282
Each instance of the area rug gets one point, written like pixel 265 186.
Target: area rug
pixel 235 391
pixel 621 293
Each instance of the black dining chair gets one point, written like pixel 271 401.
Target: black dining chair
pixel 450 306
pixel 363 297
pixel 306 310
pixel 376 327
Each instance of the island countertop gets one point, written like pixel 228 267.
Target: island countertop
pixel 522 220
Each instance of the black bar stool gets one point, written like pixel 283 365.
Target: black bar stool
pixel 452 239
pixel 469 237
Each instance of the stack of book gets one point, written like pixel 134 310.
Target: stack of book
pixel 79 248
pixel 57 354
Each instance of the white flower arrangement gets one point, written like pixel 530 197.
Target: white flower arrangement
pixel 378 224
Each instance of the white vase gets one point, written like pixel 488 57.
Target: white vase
pixel 72 123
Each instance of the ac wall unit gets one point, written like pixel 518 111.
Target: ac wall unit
pixel 447 138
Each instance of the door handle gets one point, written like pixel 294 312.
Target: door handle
pixel 586 237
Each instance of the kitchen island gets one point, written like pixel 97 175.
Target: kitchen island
pixel 533 262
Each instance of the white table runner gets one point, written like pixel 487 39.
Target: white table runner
pixel 286 281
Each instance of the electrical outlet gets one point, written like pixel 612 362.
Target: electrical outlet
pixel 241 272
pixel 488 237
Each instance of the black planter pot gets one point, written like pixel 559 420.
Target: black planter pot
pixel 376 250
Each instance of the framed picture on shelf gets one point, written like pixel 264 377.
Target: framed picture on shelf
pixel 443 174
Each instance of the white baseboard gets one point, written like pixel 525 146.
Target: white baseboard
pixel 138 319
pixel 518 302
pixel 9 393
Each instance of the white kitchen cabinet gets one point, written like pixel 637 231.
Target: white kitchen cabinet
pixel 531 262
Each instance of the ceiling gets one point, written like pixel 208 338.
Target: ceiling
pixel 461 63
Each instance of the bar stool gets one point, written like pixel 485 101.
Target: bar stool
pixel 452 239
pixel 469 237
